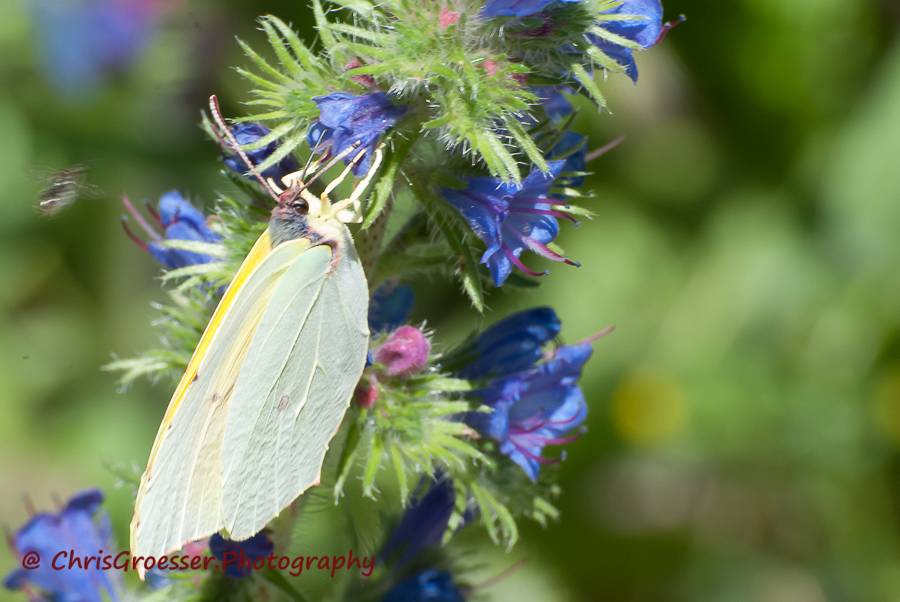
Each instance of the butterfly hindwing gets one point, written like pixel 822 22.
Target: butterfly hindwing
pixel 306 358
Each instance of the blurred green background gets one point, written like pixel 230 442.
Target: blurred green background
pixel 745 415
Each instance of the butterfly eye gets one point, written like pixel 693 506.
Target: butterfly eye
pixel 300 206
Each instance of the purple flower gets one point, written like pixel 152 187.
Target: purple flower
pixel 517 8
pixel 535 408
pixel 180 221
pixel 405 352
pixel 428 586
pixel 423 523
pixel 643 27
pixel 248 133
pixel 510 345
pixel 82 42
pixel 237 556
pixel 345 119
pixel 56 539
pixel 390 306
pixel 511 218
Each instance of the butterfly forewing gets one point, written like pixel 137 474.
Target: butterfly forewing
pixel 180 495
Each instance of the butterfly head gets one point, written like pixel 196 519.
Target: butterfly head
pixel 299 213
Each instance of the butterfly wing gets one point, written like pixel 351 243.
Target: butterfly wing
pixel 180 496
pixel 305 362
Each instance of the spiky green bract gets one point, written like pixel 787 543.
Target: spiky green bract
pixel 193 293
pixel 466 85
pixel 467 82
pixel 180 323
pixel 413 432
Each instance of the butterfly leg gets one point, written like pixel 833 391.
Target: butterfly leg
pixel 343 208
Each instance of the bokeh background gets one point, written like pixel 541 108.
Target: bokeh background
pixel 745 415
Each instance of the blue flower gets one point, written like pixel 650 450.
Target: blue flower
pixel 511 218
pixel 535 408
pixel 181 221
pixel 510 345
pixel 517 8
pixel 572 148
pixel 248 133
pixel 423 523
pixel 82 42
pixel 237 556
pixel 73 531
pixel 556 105
pixel 428 586
pixel 643 27
pixel 345 119
pixel 390 306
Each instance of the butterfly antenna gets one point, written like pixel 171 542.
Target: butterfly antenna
pixel 235 146
pixel 321 170
pixel 309 159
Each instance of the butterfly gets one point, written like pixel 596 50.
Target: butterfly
pixel 248 426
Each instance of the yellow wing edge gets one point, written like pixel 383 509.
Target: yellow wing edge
pixel 261 249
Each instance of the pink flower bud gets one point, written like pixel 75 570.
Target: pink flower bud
pixel 491 67
pixel 366 393
pixel 448 17
pixel 405 352
pixel 366 81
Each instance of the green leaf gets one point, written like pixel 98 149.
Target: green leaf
pixel 307 59
pixel 323 27
pixel 587 81
pixel 348 455
pixel 527 143
pixel 263 65
pixel 502 164
pixel 285 58
pixel 400 471
pixel 358 32
pixel 281 582
pixel 387 181
pixel 364 8
pixel 373 463
pixel 468 269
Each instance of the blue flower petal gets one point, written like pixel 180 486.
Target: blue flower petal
pixel 390 306
pixel 248 133
pixel 235 555
pixel 76 529
pixel 517 8
pixel 345 119
pixel 535 406
pixel 511 345
pixel 572 149
pixel 174 208
pixel 644 29
pixel 646 26
pixel 556 105
pixel 510 218
pixel 422 525
pixel 182 221
pixel 428 586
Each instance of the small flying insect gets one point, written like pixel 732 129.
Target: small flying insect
pixel 63 187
